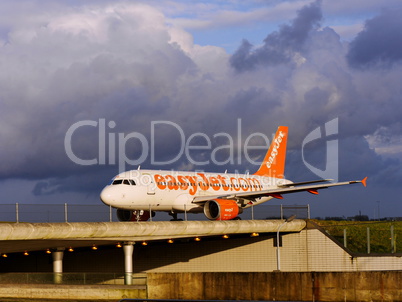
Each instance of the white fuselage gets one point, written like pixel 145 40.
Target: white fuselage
pixel 153 190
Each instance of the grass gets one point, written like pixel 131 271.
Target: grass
pixel 356 232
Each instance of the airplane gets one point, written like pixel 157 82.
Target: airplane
pixel 138 194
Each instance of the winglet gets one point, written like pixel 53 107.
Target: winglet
pixel 364 181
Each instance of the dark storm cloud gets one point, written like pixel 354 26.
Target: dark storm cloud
pixel 43 96
pixel 279 47
pixel 379 43
pixel 349 160
pixel 318 87
pixel 90 181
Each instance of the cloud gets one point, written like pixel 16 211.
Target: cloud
pixel 87 65
pixel 379 43
pixel 279 47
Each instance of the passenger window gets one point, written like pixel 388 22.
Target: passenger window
pixel 132 182
pixel 117 181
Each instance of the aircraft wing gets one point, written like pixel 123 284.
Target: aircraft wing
pixel 277 192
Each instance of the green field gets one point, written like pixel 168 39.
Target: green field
pixel 380 235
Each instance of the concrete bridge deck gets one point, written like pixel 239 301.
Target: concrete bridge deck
pixel 20 237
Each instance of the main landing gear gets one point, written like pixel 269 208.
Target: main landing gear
pixel 174 216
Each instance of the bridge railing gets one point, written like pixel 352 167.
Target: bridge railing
pixel 20 212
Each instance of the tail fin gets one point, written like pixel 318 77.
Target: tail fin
pixel 274 161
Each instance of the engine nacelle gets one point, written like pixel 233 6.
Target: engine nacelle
pixel 221 209
pixel 127 215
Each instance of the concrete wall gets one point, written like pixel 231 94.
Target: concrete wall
pixel 333 286
pixel 268 286
pixel 309 250
pixel 323 255
pixel 28 292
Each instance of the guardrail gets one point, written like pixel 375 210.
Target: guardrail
pixel 20 212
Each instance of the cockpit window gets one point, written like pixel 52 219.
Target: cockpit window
pixel 124 182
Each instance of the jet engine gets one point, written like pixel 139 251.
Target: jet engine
pixel 221 209
pixel 127 215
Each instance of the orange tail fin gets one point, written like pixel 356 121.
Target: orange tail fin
pixel 274 161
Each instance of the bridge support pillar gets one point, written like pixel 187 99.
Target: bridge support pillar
pixel 128 249
pixel 58 265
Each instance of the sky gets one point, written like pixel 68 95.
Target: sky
pixel 91 88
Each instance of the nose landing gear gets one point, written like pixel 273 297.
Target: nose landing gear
pixel 174 216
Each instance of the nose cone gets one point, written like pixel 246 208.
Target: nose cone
pixel 108 195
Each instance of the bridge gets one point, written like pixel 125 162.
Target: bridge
pixel 56 238
pixel 175 255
